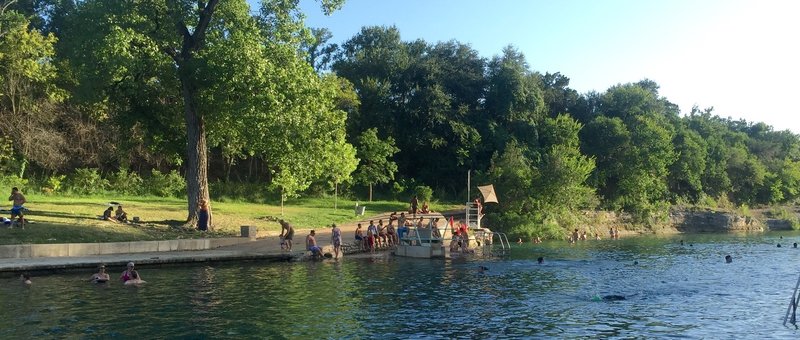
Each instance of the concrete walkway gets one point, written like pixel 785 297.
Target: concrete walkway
pixel 265 249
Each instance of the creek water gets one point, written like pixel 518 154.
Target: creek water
pixel 671 290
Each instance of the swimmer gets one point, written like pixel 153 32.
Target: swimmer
pixel 101 276
pixel 482 268
pixel 635 263
pixel 794 245
pixel 779 245
pixel 613 297
pixel 26 279
pixel 135 280
pixel 540 260
pixel 728 259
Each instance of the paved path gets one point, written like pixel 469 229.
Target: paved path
pixel 265 249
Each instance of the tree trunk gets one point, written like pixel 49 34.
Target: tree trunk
pixel 370 192
pixel 335 194
pixel 197 156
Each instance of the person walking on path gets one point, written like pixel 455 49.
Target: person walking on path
pixel 16 209
pixel 287 232
pixel 336 240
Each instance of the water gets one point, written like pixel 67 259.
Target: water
pixel 673 291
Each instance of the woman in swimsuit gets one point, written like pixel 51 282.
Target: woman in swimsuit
pixel 336 239
pixel 101 276
pixel 130 273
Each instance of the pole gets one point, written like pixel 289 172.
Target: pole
pixel 468 184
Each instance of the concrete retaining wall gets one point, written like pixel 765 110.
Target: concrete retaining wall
pixel 84 249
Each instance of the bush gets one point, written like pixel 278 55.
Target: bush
pixel 397 189
pixel 127 183
pixel 238 191
pixel 424 193
pixel 171 184
pixel 53 184
pixel 87 181
pixel 10 181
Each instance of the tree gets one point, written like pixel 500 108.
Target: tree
pixel 685 175
pixel 231 73
pixel 28 95
pixel 376 165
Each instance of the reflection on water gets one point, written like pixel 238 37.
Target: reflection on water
pixel 671 290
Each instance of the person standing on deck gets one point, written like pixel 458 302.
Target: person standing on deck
pixel 287 232
pixel 372 235
pixel 414 205
pixel 16 209
pixel 336 240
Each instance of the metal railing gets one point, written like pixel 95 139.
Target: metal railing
pixel 791 311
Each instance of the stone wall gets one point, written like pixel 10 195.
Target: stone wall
pixel 84 249
pixel 712 221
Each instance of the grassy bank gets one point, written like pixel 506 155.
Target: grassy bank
pixel 64 219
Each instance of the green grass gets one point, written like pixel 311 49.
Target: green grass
pixel 68 219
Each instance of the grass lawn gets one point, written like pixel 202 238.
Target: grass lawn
pixel 66 219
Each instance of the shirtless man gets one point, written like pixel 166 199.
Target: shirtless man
pixel 16 209
pixel 287 234
pixel 311 245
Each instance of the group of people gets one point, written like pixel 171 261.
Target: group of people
pixel 416 209
pixel 129 277
pixel 377 235
pixel 287 235
pixel 115 216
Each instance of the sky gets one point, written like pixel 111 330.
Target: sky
pixel 740 57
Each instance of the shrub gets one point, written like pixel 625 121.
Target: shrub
pixel 127 182
pixel 53 184
pixel 397 189
pixel 87 181
pixel 10 181
pixel 170 184
pixel 424 193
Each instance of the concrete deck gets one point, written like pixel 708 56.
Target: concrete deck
pixel 265 249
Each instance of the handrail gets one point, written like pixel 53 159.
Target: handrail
pixel 792 309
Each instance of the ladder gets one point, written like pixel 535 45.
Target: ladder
pixel 791 312
pixel 472 215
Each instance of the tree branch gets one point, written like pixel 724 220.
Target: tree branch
pixel 202 24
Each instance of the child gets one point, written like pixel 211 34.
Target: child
pixel 284 246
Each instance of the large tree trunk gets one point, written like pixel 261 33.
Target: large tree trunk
pixel 196 150
pixel 197 157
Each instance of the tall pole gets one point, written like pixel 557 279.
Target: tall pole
pixel 468 183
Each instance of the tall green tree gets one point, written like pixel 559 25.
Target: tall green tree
pixel 223 65
pixel 28 94
pixel 376 164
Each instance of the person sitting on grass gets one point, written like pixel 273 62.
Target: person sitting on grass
pixel 107 215
pixel 120 214
pixel 311 245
